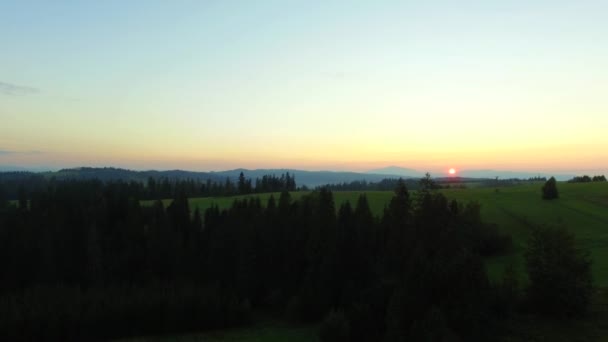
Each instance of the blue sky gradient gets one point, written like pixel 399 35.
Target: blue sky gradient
pixel 309 84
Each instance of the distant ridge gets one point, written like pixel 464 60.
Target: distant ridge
pixel 511 174
pixel 105 174
pixel 480 173
pixel 303 177
pixel 309 178
pixel 397 171
pixel 12 168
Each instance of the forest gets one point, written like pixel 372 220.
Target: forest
pixel 83 260
pixel 14 185
pixel 587 179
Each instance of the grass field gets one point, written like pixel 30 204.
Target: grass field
pixel 582 208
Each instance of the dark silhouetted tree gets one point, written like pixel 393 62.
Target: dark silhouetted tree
pixel 242 185
pixel 335 328
pixel 22 198
pixel 550 189
pixel 3 201
pixel 427 183
pixel 396 221
pixel 559 272
pixel 110 267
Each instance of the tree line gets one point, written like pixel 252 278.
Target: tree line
pixel 85 261
pixel 14 185
pixel 587 179
pixel 387 184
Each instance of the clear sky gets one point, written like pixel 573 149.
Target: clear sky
pixel 339 85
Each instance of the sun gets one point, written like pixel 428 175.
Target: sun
pixel 452 171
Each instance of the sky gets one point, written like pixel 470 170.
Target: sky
pixel 332 85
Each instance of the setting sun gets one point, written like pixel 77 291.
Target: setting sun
pixel 452 171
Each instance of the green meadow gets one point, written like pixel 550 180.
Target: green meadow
pixel 582 208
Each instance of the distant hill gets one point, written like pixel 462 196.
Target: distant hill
pixel 308 178
pixel 485 174
pixel 11 168
pixel 110 173
pixel 106 174
pixel 397 171
pixel 509 174
pixel 480 173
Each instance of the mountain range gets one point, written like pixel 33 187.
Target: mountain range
pixel 485 174
pixel 303 177
pixel 308 178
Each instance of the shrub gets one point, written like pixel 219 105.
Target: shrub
pixel 65 313
pixel 559 272
pixel 432 327
pixel 550 189
pixel 335 327
pixel 506 294
pixel 293 309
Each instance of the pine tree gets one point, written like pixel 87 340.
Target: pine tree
pixel 242 185
pixel 396 221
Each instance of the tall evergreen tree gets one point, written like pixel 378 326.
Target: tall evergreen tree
pixel 396 223
pixel 242 185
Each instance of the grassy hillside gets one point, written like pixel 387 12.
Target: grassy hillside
pixel 582 208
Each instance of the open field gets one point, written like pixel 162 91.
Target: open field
pixel 582 208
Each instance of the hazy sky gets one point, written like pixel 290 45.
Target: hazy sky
pixel 208 85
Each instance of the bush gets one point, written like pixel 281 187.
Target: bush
pixel 506 294
pixel 432 327
pixel 65 313
pixel 550 189
pixel 293 309
pixel 335 327
pixel 559 272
